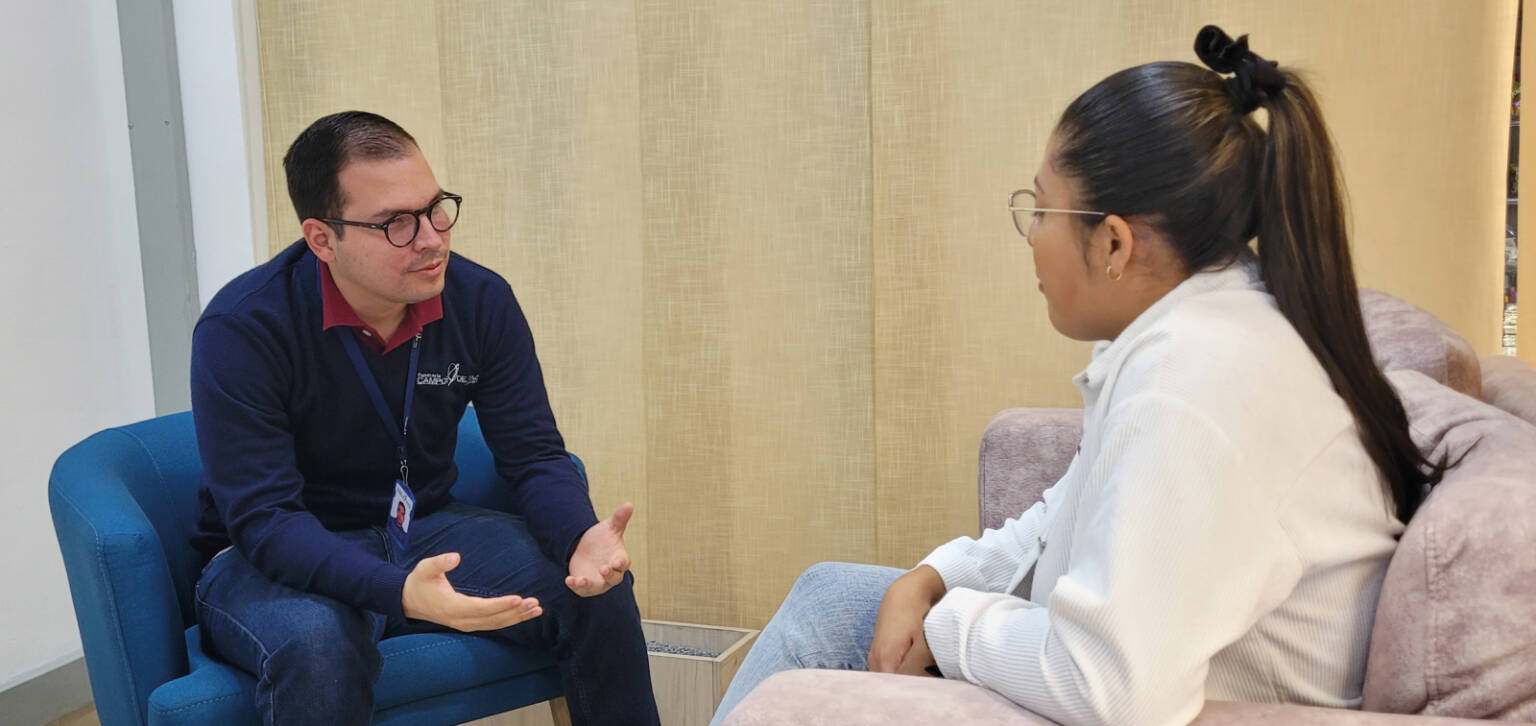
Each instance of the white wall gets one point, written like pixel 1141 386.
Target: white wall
pixel 72 300
pixel 219 125
pixel 73 306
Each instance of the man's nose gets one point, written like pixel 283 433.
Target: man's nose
pixel 427 236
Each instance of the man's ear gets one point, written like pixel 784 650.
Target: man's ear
pixel 320 238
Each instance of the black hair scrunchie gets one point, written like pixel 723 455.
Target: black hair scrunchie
pixel 1251 74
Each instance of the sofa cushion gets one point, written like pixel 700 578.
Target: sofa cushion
pixel 1455 629
pixel 1404 337
pixel 1510 384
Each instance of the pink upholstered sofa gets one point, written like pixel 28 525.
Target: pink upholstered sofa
pixel 1455 631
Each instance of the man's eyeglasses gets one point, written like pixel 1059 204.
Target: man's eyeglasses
pixel 401 229
pixel 1025 214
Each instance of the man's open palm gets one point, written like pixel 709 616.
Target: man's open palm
pixel 600 560
pixel 428 595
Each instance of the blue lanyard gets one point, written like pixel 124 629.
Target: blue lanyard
pixel 350 342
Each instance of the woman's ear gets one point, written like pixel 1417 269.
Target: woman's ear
pixel 1113 246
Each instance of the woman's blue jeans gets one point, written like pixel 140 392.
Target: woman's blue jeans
pixel 827 621
pixel 316 659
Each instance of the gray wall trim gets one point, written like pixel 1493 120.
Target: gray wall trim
pixel 162 194
pixel 47 696
pixel 249 49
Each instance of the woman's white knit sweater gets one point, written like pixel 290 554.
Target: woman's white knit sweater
pixel 1220 534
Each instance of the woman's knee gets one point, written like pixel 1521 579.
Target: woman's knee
pixel 828 593
pixel 829 579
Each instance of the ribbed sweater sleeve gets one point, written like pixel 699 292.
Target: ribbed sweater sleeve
pixel 1171 562
pixel 520 430
pixel 998 560
pixel 247 449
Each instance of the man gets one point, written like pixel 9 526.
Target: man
pixel 328 384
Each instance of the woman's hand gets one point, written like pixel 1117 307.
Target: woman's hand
pixel 899 645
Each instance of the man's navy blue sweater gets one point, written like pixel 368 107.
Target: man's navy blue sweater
pixel 293 449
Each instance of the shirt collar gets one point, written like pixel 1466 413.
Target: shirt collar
pixel 1242 274
pixel 335 311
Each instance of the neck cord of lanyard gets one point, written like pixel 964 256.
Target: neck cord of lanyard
pixel 349 341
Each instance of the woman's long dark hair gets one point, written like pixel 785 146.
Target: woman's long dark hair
pixel 1175 144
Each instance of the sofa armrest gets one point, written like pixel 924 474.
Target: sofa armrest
pixel 852 698
pixel 1023 452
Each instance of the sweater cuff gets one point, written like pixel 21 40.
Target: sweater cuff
pixel 572 538
pixel 957 567
pixel 387 590
pixel 947 629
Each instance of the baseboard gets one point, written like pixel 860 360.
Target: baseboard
pixel 47 695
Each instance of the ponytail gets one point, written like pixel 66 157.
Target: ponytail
pixel 1304 260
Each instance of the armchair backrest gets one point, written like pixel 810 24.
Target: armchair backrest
pixel 478 483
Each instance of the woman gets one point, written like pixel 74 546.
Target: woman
pixel 1245 468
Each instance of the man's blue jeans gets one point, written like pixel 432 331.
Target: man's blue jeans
pixel 826 621
pixel 316 659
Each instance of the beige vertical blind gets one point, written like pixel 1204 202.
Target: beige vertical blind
pixel 763 246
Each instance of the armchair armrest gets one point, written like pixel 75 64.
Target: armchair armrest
pixel 1023 452
pixel 119 578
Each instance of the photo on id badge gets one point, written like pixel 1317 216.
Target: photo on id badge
pixel 401 508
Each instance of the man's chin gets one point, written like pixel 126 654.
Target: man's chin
pixel 423 292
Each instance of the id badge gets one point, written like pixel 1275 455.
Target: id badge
pixel 401 509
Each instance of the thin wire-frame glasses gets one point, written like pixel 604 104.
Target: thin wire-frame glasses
pixel 1025 214
pixel 401 229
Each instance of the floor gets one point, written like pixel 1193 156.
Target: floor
pixel 84 717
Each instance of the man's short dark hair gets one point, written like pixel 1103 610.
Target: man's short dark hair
pixel 318 155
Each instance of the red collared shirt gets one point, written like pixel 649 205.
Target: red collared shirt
pixel 335 310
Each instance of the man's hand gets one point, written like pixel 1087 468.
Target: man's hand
pixel 899 645
pixel 600 560
pixel 429 596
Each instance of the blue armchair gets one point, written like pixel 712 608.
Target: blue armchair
pixel 123 506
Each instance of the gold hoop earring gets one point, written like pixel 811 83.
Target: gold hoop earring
pixel 1110 271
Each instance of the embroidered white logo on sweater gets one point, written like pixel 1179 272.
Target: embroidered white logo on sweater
pixel 446 379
